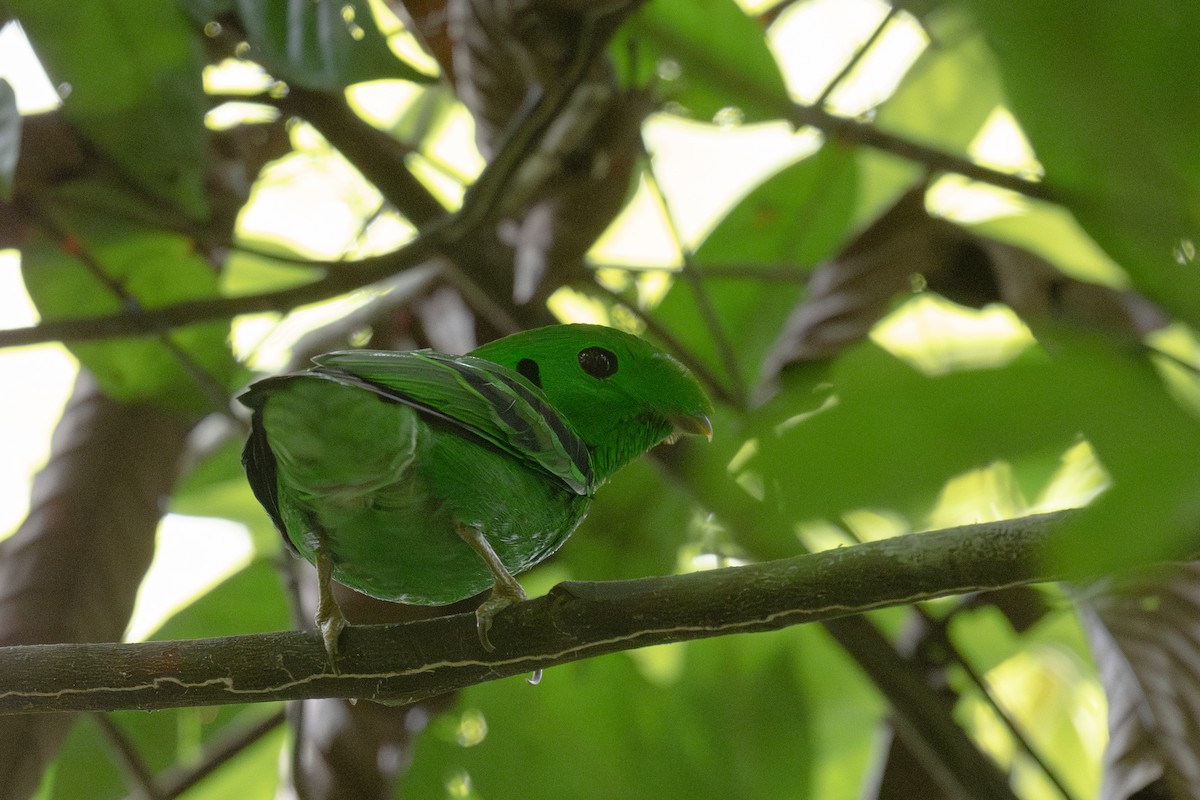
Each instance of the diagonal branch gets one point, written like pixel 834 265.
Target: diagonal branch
pixel 407 663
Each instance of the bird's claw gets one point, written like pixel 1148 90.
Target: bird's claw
pixel 330 620
pixel 331 627
pixel 488 610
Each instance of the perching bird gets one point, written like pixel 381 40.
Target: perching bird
pixel 425 478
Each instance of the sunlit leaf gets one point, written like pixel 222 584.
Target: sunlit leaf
pixel 131 75
pixel 105 265
pixel 949 92
pixel 707 55
pixel 321 45
pixel 1106 98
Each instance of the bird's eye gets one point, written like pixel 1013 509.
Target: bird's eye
pixel 598 362
pixel 529 368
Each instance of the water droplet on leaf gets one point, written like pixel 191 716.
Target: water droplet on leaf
pixel 1184 252
pixel 729 117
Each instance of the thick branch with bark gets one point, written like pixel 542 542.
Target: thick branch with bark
pixel 407 663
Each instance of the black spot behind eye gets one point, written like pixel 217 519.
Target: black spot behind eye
pixel 598 362
pixel 529 368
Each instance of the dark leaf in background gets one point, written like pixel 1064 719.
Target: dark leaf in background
pixel 703 56
pixel 1145 636
pixel 317 45
pixel 713 719
pixel 142 107
pixel 10 138
pixel 1107 98
pixel 848 295
pixel 71 571
pixel 569 190
pixel 905 245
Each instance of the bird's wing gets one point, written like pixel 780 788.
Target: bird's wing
pixel 480 397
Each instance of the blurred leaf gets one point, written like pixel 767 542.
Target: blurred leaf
pixel 636 527
pixel 713 719
pixel 950 91
pixel 107 264
pixel 249 601
pixel 131 73
pixel 1145 634
pixel 85 768
pixel 251 775
pixel 1106 98
pixel 320 44
pixel 217 487
pixel 1148 443
pixel 708 56
pixel 889 437
pixel 10 138
pixel 795 219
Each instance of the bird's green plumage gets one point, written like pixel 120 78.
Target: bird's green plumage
pixel 382 454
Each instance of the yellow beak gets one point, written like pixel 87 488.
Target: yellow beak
pixel 695 424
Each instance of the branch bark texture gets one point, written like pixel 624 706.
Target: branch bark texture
pixel 413 661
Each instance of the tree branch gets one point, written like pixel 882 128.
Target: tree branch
pixel 407 663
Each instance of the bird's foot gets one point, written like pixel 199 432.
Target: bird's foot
pixel 505 589
pixel 331 625
pixel 330 620
pixel 502 597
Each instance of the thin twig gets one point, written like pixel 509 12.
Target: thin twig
pixel 938 628
pixel 130 758
pixel 175 782
pixel 856 58
pixel 704 303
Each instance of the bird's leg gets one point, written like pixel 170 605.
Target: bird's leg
pixel 329 615
pixel 505 589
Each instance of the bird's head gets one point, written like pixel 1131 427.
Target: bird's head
pixel 621 394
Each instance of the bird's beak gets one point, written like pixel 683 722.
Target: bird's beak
pixel 696 424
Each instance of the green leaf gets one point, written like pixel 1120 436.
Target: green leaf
pixel 10 138
pixel 107 264
pixel 321 44
pixel 708 56
pixel 950 91
pixel 1107 99
pixel 889 436
pixel 249 601
pixel 795 219
pixel 133 70
pixel 217 487
pixel 713 719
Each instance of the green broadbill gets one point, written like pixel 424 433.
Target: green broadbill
pixel 426 478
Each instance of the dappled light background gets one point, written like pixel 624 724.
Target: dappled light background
pixel 839 342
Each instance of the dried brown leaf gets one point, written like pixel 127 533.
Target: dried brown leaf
pixel 1145 636
pixel 848 295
